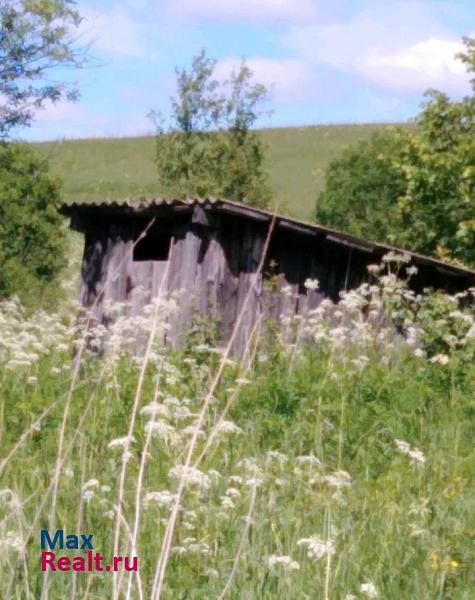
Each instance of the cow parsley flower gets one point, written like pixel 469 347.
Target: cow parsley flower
pixel 317 548
pixel 440 359
pixel 228 427
pixel 12 542
pixel 374 269
pixel 417 456
pixel 192 477
pixel 312 284
pixel 121 442
pixel 163 499
pixel 369 589
pixel 91 483
pixel 309 459
pixel 282 562
pixel 338 479
pixel 394 257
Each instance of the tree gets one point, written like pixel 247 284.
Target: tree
pixel 436 213
pixel 414 187
pixel 361 188
pixel 35 38
pixel 207 146
pixel 32 239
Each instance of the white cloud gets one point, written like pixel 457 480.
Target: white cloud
pixel 399 46
pixel 431 63
pixel 287 79
pixel 116 32
pixel 74 120
pixel 248 11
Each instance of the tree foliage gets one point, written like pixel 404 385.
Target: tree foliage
pixel 361 187
pixel 36 37
pixel 32 239
pixel 207 146
pixel 414 186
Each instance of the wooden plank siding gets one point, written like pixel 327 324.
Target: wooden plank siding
pixel 212 257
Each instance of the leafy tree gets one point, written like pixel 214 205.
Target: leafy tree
pixel 35 38
pixel 362 187
pixel 414 187
pixel 32 239
pixel 436 213
pixel 207 146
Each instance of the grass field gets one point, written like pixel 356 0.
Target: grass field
pixel 337 470
pixel 95 169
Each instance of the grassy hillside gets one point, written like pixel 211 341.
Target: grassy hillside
pixel 95 169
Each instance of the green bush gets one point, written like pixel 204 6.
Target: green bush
pixel 32 238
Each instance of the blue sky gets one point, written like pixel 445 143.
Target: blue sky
pixel 325 61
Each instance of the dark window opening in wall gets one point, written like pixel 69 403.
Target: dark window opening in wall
pixel 153 247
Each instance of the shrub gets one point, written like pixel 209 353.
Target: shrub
pixel 32 238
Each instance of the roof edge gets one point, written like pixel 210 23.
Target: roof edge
pixel 244 210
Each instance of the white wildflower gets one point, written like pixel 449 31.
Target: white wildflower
pixel 68 472
pixel 416 455
pixel 88 495
pixel 285 562
pixel 374 269
pixel 338 479
pixel 254 482
pixel 12 542
pixel 312 284
pixel 163 499
pixel 403 446
pixel 192 477
pixel 155 409
pixel 227 502
pixel 440 359
pixel 211 573
pixel 396 258
pixel 317 548
pixel 91 483
pixel 287 291
pixel 121 442
pixel 228 427
pixel 309 459
pixel 236 479
pixel 232 492
pixel 163 431
pixel 369 589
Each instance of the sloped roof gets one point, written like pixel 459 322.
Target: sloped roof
pixel 146 205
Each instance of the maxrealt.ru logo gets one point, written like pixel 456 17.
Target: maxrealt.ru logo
pixel 92 561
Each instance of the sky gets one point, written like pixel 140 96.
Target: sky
pixel 324 61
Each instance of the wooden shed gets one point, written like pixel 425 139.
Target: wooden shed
pixel 210 249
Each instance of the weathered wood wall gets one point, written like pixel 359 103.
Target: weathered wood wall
pixel 212 262
pixel 212 268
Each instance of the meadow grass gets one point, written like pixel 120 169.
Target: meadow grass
pixel 338 468
pixel 296 157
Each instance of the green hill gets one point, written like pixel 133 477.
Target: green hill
pixel 95 169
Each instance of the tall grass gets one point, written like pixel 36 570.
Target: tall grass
pixel 335 461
